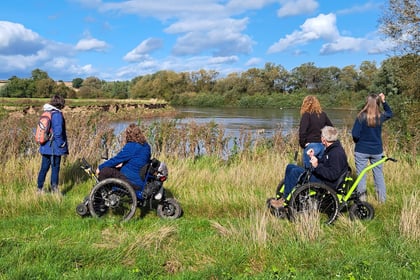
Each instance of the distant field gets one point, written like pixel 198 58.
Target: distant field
pixel 76 102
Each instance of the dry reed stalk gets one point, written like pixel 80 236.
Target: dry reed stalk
pixel 259 222
pixel 308 226
pixel 410 217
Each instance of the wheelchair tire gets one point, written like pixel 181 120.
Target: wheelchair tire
pixel 82 208
pixel 169 209
pixel 114 198
pixel 314 198
pixel 361 210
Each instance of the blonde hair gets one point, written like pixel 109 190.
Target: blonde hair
pixel 371 111
pixel 310 105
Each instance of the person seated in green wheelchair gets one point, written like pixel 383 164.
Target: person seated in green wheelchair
pixel 327 169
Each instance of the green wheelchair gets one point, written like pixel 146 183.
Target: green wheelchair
pixel 325 201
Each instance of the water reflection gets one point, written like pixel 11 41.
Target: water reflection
pixel 260 121
pixel 238 122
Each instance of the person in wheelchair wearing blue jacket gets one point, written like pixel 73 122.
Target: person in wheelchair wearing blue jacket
pixel 130 159
pixel 327 169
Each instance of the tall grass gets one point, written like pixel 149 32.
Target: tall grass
pixel 226 231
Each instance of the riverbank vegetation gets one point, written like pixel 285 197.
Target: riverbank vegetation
pixel 226 231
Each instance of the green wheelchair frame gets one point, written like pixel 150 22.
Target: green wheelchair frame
pixel 309 197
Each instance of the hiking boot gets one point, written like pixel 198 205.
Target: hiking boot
pixel 277 203
pixel 40 192
pixel 55 191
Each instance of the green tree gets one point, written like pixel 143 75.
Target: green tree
pixel 367 74
pixel 17 88
pixel 91 88
pixel 38 74
pixel 348 78
pixel 63 90
pixel 254 81
pixel 231 87
pixel 77 82
pixel 275 78
pixel 305 76
pixel 329 80
pixel 203 80
pixel 44 87
pixel 400 22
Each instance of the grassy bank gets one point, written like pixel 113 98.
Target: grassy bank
pixel 226 231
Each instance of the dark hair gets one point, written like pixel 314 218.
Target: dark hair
pixel 133 133
pixel 58 102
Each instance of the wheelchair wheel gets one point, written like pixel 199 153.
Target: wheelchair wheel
pixel 361 210
pixel 82 208
pixel 169 209
pixel 314 198
pixel 113 197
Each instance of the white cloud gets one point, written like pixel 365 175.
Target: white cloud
pixel 167 9
pixel 201 26
pixel 16 39
pixel 143 49
pixel 360 8
pixel 222 38
pixel 297 7
pixel 320 27
pixel 89 44
pixel 253 61
pixel 237 6
pixel 223 59
pixel 323 27
pixel 349 44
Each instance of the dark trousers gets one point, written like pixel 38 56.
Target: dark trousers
pixel 291 178
pixel 47 162
pixel 111 172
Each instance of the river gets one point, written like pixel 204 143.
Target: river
pixel 258 120
pixel 261 121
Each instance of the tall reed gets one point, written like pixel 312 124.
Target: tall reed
pixel 226 232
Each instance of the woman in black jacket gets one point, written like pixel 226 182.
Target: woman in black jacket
pixel 313 119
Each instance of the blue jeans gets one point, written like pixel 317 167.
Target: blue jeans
pixel 318 151
pixel 47 162
pixel 291 178
pixel 361 161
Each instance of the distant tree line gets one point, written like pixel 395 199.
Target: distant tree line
pixel 398 75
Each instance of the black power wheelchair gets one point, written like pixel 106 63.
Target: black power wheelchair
pixel 117 198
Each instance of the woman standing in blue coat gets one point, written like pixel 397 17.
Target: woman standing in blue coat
pixel 56 147
pixel 127 163
pixel 367 134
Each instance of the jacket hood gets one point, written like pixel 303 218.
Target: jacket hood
pixel 49 107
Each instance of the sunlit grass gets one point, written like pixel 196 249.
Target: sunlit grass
pixel 226 231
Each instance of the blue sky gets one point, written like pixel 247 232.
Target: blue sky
pixel 120 40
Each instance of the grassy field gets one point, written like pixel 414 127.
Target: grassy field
pixel 226 231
